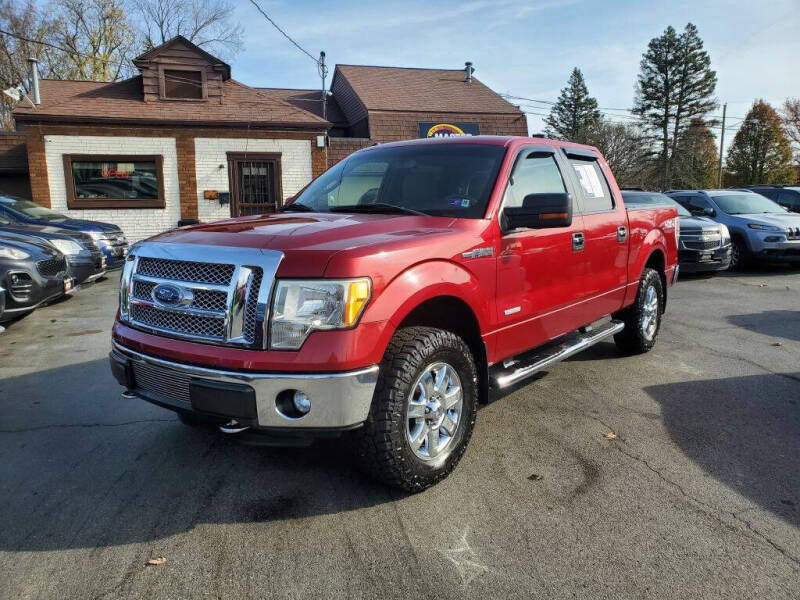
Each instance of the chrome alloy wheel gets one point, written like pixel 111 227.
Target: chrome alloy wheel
pixel 650 312
pixel 433 410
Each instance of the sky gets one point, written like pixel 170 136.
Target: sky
pixel 527 48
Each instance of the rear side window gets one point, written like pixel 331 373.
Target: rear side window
pixel 596 196
pixel 535 174
pixel 790 198
pixel 696 205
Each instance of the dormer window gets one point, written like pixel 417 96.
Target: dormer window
pixel 183 84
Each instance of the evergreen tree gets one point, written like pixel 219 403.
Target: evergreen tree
pixel 675 84
pixel 760 152
pixel 697 159
pixel 575 115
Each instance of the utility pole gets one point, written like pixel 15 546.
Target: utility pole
pixel 721 142
pixel 323 73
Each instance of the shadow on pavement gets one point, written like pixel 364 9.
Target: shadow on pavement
pixel 81 468
pixel 743 431
pixel 774 323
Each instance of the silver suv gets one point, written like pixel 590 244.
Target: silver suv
pixel 761 230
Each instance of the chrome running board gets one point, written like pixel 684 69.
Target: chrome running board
pixel 529 364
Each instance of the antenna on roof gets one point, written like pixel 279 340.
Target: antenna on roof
pixel 469 70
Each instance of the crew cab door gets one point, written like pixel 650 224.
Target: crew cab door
pixel 538 270
pixel 604 269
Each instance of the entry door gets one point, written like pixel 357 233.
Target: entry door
pixel 255 183
pixel 538 270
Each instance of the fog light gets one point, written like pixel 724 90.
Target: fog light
pixel 301 402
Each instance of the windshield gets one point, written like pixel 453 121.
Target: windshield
pixel 741 204
pixel 445 180
pixel 30 209
pixel 653 199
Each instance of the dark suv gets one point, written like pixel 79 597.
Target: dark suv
pixel 785 195
pixel 32 273
pixel 705 246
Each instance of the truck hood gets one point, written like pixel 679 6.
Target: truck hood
pixel 309 241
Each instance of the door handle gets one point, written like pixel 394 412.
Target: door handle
pixel 622 233
pixel 578 241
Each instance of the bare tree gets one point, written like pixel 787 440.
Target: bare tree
pixel 790 115
pixel 26 23
pixel 628 152
pixel 97 38
pixel 207 23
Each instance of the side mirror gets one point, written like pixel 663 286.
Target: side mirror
pixel 539 211
pixel 709 212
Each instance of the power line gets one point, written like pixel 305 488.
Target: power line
pixel 286 35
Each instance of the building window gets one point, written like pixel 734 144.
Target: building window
pixel 183 84
pixel 114 181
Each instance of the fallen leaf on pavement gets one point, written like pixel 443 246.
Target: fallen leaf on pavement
pixel 535 477
pixel 777 344
pixel 156 562
pixel 610 435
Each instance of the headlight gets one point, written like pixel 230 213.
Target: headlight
pixel 13 253
pixel 302 306
pixel 67 247
pixel 726 234
pixel 760 227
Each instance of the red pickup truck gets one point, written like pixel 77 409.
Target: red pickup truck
pixel 392 294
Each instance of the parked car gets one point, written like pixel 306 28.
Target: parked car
pixel 705 246
pixel 32 273
pixel 785 195
pixel 761 230
pixel 391 293
pixel 108 237
pixel 85 262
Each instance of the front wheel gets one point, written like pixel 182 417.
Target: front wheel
pixel 423 411
pixel 643 318
pixel 740 255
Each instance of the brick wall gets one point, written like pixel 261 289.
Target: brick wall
pixel 390 126
pixel 45 174
pixel 211 154
pixel 13 155
pixel 341 148
pixel 136 223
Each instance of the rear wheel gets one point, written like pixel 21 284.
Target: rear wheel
pixel 423 411
pixel 643 318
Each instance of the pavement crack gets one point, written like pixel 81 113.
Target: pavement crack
pixel 85 425
pixel 712 510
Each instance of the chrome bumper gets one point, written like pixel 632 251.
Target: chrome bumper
pixel 338 400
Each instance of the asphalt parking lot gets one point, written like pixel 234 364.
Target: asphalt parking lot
pixel 698 496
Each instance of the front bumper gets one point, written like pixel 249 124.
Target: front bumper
pixel 697 261
pixel 785 250
pixel 338 400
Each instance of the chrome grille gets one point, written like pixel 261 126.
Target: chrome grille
pixel 177 322
pixel 209 294
pixel 252 305
pixel 162 384
pixel 697 245
pixel 52 267
pixel 180 270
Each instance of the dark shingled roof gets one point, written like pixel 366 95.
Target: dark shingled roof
pixel 88 101
pixel 429 90
pixel 309 100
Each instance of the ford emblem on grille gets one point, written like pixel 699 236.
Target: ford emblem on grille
pixel 171 295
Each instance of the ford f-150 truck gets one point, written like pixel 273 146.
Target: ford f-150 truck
pixel 391 294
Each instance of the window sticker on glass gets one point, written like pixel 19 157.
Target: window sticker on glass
pixel 459 202
pixel 590 181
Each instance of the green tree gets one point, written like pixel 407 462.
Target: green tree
pixel 575 115
pixel 696 160
pixel 675 84
pixel 760 152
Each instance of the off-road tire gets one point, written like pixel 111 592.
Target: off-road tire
pixel 633 339
pixel 381 444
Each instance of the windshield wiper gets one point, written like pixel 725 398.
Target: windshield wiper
pixel 295 207
pixel 381 206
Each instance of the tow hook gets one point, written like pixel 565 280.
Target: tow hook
pixel 233 426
